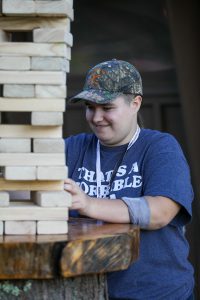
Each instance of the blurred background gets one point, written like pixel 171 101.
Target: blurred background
pixel 161 39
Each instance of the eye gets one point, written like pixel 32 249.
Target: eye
pixel 89 107
pixel 107 108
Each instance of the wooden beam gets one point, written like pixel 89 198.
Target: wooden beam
pixel 28 131
pixel 59 8
pixel 32 77
pixel 30 185
pixel 34 49
pixel 32 159
pixel 30 23
pixel 32 104
pixel 28 211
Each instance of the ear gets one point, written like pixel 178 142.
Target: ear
pixel 137 101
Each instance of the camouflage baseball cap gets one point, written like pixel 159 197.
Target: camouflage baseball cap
pixel 108 80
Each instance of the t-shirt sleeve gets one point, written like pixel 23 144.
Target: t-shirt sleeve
pixel 166 173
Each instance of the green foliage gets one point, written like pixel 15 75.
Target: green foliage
pixel 7 288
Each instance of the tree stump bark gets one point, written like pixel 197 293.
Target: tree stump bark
pixel 88 287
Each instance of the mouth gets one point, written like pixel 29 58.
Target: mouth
pixel 100 125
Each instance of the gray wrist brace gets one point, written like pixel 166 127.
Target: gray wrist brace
pixel 139 211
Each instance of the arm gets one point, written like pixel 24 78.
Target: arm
pixel 162 209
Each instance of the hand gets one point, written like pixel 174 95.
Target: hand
pixel 80 201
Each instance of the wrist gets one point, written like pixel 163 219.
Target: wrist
pixel 85 210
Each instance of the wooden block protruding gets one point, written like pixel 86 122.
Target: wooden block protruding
pixel 46 118
pixel 52 198
pixel 20 227
pixel 20 173
pixel 55 8
pixel 13 145
pixel 50 91
pixel 48 145
pixel 50 64
pixel 52 172
pixel 52 227
pixel 52 35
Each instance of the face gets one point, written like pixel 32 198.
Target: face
pixel 113 123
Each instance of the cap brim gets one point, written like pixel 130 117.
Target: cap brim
pixel 97 96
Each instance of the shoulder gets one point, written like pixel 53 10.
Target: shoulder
pixel 159 141
pixel 79 140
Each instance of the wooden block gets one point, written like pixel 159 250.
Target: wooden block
pixel 34 49
pixel 27 211
pixel 19 90
pixel 60 8
pixel 20 227
pixel 4 199
pixel 20 173
pixel 32 159
pixel 48 145
pixel 32 77
pixel 30 23
pixel 46 118
pixel 50 64
pixel 13 145
pixel 52 35
pixel 37 8
pixel 31 185
pixel 52 198
pixel 33 104
pixel 1 227
pixel 52 227
pixel 28 131
pixel 18 7
pixel 50 91
pixel 14 63
pixel 52 172
pixel 4 36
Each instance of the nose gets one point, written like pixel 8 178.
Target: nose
pixel 97 115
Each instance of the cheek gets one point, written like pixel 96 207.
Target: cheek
pixel 88 115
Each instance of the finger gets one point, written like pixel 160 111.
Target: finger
pixel 69 180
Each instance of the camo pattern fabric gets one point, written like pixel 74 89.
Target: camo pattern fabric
pixel 108 80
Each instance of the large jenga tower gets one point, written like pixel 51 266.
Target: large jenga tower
pixel 33 80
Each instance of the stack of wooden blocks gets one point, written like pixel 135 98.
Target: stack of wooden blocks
pixel 33 80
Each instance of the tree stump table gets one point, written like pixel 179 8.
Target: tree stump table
pixel 71 266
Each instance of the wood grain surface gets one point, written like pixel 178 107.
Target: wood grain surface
pixel 90 247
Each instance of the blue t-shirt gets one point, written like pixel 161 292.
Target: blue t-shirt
pixel 155 166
